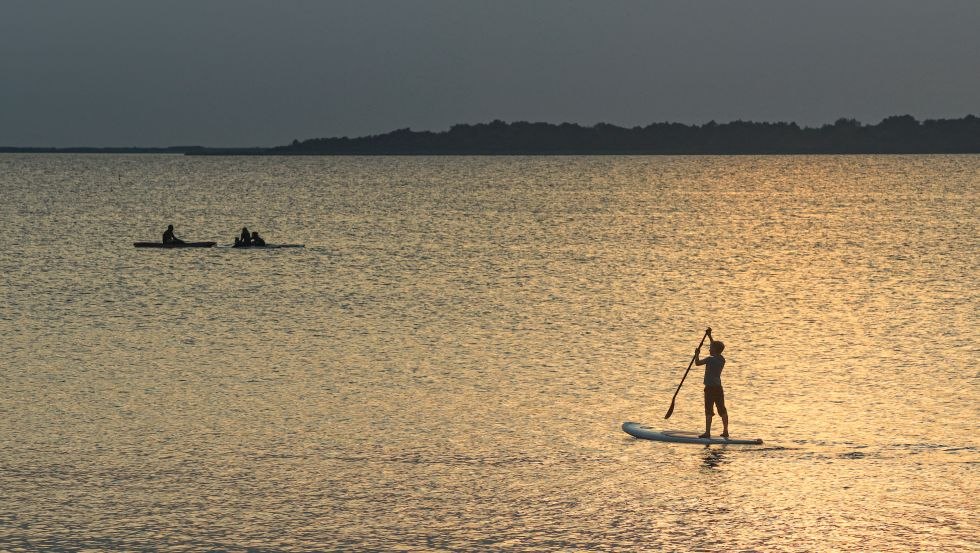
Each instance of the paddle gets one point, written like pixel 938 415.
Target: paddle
pixel 691 364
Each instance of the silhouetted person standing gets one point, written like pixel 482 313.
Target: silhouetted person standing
pixel 714 394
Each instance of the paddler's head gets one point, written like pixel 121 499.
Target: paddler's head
pixel 717 347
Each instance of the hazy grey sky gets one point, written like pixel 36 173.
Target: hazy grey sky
pixel 245 72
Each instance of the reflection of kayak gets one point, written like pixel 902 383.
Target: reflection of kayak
pixel 175 245
pixel 678 436
pixel 265 247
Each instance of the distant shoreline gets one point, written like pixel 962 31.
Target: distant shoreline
pixel 893 135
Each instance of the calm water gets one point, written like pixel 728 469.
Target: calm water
pixel 446 365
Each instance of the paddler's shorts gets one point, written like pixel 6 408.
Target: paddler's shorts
pixel 714 395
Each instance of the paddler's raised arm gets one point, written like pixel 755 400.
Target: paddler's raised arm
pixel 697 353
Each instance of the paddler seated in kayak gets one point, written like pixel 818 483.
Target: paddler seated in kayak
pixel 169 238
pixel 244 240
pixel 714 394
pixel 256 239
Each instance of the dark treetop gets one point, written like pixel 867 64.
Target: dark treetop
pixel 901 134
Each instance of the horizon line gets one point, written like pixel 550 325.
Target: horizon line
pixel 711 122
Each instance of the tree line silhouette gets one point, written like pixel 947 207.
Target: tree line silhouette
pixel 900 134
pixel 893 135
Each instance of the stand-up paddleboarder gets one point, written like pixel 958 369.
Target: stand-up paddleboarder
pixel 714 394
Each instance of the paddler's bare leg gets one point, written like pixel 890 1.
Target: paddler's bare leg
pixel 723 411
pixel 707 424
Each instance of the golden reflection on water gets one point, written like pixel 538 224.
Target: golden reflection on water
pixel 446 365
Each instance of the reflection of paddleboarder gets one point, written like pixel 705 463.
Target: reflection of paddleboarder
pixel 169 238
pixel 714 394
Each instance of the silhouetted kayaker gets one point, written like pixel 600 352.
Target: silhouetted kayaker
pixel 169 238
pixel 257 240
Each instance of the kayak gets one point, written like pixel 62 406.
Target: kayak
pixel 265 247
pixel 175 245
pixel 638 430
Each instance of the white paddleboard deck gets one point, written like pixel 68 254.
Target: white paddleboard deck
pixel 679 436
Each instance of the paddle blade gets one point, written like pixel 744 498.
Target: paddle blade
pixel 670 411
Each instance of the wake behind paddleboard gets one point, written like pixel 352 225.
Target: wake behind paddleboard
pixel 638 430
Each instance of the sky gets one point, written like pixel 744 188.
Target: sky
pixel 262 73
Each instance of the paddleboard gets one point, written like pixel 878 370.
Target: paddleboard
pixel 638 430
pixel 174 245
pixel 265 247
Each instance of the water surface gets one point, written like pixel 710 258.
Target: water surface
pixel 447 363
